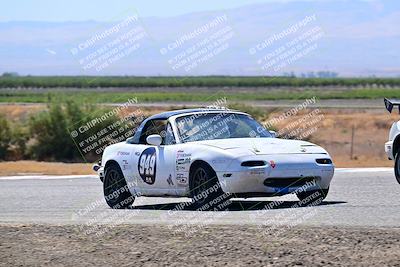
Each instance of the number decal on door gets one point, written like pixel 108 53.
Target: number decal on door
pixel 147 165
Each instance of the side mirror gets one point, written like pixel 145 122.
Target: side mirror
pixel 273 134
pixel 154 140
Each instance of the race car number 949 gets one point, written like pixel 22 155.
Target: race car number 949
pixel 147 165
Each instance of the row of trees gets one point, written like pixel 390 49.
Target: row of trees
pixel 309 79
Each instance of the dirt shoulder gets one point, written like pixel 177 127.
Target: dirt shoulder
pixel 8 168
pixel 154 245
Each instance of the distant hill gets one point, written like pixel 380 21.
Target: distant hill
pixel 360 38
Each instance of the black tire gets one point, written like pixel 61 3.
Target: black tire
pixel 313 198
pixel 205 189
pixel 397 167
pixel 115 189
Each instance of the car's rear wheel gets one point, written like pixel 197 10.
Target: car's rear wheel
pixel 205 189
pixel 397 167
pixel 314 197
pixel 116 191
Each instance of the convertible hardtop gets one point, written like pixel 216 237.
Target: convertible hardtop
pixel 168 114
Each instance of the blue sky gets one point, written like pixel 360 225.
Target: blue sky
pixel 103 10
pixel 106 10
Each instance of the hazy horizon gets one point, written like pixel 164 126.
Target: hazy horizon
pixel 237 38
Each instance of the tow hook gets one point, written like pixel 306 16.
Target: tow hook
pixel 96 167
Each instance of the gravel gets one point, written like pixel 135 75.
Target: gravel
pixel 208 245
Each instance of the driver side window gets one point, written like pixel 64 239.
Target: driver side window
pixel 169 138
pixel 160 127
pixel 152 127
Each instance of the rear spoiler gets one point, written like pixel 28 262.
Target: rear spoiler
pixel 390 103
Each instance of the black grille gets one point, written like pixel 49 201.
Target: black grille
pixel 253 163
pixel 288 182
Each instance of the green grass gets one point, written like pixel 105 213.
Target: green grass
pixel 194 96
pixel 204 81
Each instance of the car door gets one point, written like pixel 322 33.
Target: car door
pixel 167 159
pixel 154 172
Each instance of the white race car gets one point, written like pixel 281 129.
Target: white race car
pixel 211 155
pixel 392 146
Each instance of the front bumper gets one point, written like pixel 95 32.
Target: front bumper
pixel 389 150
pixel 287 176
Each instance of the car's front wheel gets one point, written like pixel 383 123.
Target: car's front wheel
pixel 397 167
pixel 314 197
pixel 116 191
pixel 205 189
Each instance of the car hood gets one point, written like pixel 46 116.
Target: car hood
pixel 264 146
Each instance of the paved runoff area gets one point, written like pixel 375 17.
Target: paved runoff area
pixel 63 220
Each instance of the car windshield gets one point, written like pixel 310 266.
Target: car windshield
pixel 210 126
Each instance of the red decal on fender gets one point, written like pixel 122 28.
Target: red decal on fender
pixel 272 164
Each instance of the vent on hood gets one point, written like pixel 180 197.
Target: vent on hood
pixel 253 163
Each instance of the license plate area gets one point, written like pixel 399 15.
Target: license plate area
pixel 289 182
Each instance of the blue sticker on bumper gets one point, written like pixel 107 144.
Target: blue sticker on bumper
pixel 284 190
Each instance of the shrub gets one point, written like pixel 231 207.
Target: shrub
pixel 20 137
pixel 50 131
pixel 5 136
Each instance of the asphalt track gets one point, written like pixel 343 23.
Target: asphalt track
pixel 365 197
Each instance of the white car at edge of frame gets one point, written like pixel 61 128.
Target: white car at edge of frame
pixel 392 146
pixel 211 155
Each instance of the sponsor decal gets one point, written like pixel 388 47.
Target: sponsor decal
pixel 257 172
pixel 137 153
pixel 183 160
pixel 181 178
pixel 182 154
pixel 147 165
pixel 123 153
pixel 125 165
pixel 169 180
pixel 273 164
pixel 180 168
